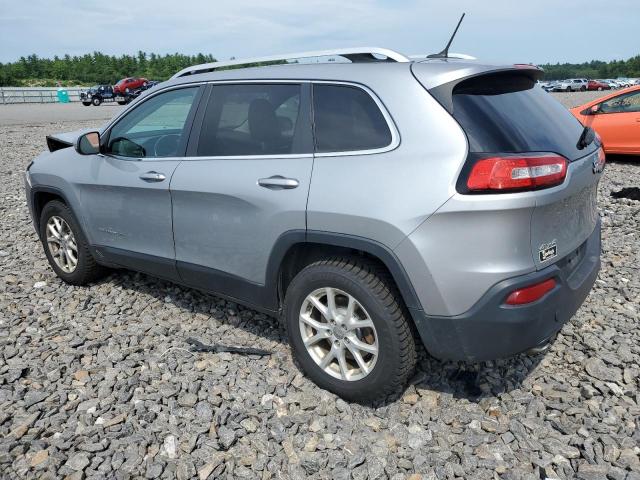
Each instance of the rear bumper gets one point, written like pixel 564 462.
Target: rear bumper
pixel 491 329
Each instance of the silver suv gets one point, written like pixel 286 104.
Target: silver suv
pixel 371 204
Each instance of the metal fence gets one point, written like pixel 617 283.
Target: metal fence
pixel 36 94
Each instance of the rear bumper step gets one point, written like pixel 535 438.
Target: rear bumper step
pixel 491 329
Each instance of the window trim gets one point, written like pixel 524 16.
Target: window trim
pixel 395 135
pixel 203 98
pixel 140 100
pixel 105 134
pixel 199 117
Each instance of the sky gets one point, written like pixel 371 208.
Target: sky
pixel 520 31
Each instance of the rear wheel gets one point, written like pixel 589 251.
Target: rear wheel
pixel 86 104
pixel 348 329
pixel 122 102
pixel 599 89
pixel 66 247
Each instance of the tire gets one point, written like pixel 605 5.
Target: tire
pixel 583 88
pixel 86 270
pixel 96 101
pixel 599 89
pixel 569 89
pixel 378 300
pixel 86 104
pixel 122 102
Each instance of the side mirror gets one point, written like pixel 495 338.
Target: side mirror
pixel 88 144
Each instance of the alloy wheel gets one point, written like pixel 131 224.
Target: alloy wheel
pixel 338 334
pixel 62 244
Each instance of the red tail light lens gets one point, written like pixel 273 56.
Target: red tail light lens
pixel 531 293
pixel 517 173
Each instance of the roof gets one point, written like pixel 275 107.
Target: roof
pixel 369 65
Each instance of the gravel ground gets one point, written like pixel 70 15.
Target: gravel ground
pixel 573 99
pixel 96 382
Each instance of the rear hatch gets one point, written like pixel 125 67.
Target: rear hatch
pixel 506 115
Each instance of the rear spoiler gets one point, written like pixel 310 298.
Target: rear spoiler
pixel 441 84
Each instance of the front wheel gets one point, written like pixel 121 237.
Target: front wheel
pixel 583 88
pixel 86 104
pixel 348 329
pixel 66 247
pixel 96 101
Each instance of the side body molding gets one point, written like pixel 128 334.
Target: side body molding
pixel 264 298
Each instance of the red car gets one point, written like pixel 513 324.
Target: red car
pixel 127 85
pixel 597 85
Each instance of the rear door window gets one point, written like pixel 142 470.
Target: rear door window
pixel 254 119
pixel 505 114
pixel 347 119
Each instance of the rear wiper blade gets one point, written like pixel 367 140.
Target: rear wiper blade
pixel 587 137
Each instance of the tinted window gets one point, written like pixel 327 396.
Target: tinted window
pixel 260 119
pixel 347 119
pixel 501 113
pixel 155 128
pixel 629 102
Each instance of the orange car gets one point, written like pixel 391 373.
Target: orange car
pixel 616 118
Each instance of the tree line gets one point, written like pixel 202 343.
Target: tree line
pixel 94 68
pixel 594 69
pixel 98 68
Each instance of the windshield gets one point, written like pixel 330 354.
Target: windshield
pixel 506 114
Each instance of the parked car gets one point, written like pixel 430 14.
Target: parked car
pixel 450 199
pixel 597 85
pixel 612 83
pixel 130 84
pixel 546 86
pixel 571 85
pixel 98 94
pixel 616 118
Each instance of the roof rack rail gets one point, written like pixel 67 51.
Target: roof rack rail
pixel 459 56
pixel 356 55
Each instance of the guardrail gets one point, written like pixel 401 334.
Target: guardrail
pixel 10 95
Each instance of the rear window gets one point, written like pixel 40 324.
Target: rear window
pixel 509 114
pixel 347 119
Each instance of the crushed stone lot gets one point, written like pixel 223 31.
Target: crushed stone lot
pixel 98 382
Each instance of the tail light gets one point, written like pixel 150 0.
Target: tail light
pixel 531 293
pixel 598 166
pixel 517 172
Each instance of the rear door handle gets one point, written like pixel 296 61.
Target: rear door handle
pixel 153 177
pixel 278 182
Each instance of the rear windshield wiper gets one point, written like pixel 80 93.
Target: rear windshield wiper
pixel 587 137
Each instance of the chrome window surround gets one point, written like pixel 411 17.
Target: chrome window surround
pixel 395 135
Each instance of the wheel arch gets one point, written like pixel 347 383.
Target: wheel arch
pixel 41 195
pixel 296 249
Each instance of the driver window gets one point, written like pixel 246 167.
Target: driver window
pixel 155 128
pixel 629 102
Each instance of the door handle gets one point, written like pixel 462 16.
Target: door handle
pixel 153 177
pixel 278 182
